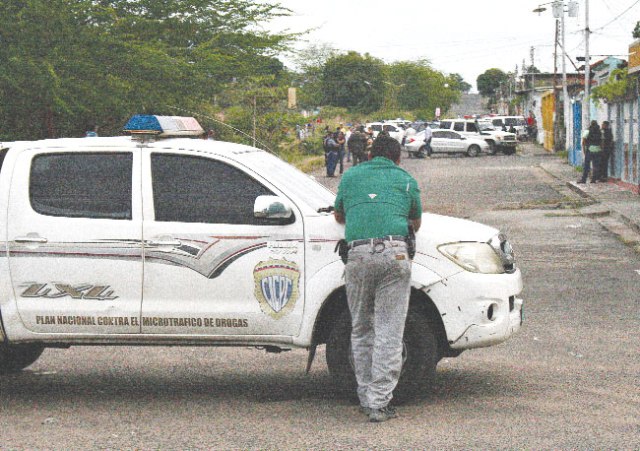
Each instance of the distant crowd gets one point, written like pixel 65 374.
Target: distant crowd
pixel 353 144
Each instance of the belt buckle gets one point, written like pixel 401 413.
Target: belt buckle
pixel 378 246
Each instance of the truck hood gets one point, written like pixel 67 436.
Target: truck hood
pixel 438 229
pixel 435 230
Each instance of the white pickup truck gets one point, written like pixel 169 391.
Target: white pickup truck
pixel 496 139
pixel 157 240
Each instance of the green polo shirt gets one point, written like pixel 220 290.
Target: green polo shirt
pixel 377 198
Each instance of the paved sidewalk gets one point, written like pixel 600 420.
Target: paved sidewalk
pixel 610 199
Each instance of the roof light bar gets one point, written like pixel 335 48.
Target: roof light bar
pixel 163 126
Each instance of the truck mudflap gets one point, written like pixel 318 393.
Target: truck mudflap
pixel 3 336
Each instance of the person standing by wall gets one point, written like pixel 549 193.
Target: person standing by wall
pixel 607 150
pixel 377 200
pixel 591 150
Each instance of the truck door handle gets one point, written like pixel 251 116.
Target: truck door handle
pixel 30 239
pixel 164 242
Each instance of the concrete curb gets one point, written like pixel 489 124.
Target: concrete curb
pixel 633 224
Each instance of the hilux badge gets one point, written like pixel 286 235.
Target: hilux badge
pixel 276 286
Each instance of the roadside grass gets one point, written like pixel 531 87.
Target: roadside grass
pixel 306 155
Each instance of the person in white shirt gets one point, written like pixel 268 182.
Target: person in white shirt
pixel 428 135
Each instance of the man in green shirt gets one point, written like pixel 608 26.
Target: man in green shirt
pixel 378 200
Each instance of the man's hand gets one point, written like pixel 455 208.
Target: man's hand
pixel 339 217
pixel 416 223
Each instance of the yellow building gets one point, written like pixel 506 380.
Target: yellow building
pixel 548 113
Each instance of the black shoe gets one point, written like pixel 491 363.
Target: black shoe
pixel 594 181
pixel 383 414
pixel 365 410
pixel 581 181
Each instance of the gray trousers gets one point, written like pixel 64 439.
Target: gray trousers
pixel 378 287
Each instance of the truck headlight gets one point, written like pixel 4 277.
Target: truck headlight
pixel 474 257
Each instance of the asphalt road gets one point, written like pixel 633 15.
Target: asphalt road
pixel 568 380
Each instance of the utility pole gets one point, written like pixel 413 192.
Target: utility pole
pixel 587 69
pixel 533 65
pixel 556 119
pixel 254 119
pixel 565 94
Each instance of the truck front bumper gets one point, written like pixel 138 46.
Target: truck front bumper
pixel 479 310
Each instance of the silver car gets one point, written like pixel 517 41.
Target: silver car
pixel 445 141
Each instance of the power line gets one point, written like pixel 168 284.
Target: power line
pixel 618 16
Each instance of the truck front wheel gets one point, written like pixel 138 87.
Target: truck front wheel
pixel 419 356
pixel 14 358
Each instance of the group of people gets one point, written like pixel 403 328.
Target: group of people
pixel 354 144
pixel 597 146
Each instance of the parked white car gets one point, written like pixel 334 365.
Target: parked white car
pixel 394 130
pixel 446 141
pixel 497 139
pixel 506 122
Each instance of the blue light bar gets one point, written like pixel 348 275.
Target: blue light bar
pixel 163 126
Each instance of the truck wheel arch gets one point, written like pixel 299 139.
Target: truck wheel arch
pixel 336 303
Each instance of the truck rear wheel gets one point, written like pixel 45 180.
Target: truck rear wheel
pixel 14 358
pixel 420 355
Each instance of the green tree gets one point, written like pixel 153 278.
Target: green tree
pixel 354 81
pixel 418 88
pixel 310 64
pixel 457 82
pixel 489 82
pixel 68 63
pixel 636 31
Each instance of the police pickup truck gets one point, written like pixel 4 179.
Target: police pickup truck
pixel 159 239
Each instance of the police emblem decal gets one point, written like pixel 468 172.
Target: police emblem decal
pixel 276 286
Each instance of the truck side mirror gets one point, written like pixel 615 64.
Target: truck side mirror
pixel 272 207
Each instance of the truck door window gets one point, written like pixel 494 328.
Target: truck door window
pixel 195 189
pixel 471 127
pixel 458 126
pixel 82 185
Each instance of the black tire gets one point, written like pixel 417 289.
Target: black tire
pixel 509 150
pixel 473 150
pixel 493 148
pixel 14 358
pixel 420 355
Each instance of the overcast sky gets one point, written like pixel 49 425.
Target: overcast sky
pixel 461 36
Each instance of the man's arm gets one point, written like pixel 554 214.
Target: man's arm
pixel 416 223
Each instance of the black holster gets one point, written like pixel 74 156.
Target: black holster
pixel 411 243
pixel 342 248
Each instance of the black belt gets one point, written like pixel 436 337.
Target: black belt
pixel 374 241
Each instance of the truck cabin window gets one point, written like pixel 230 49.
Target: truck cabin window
pixel 82 185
